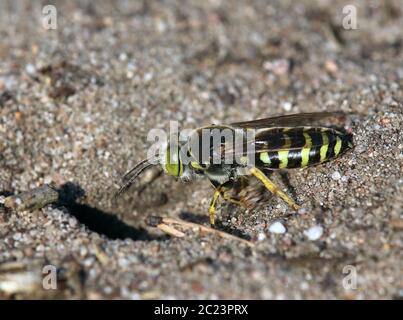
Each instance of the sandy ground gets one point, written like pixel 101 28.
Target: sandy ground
pixel 76 105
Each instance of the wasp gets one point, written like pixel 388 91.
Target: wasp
pixel 278 143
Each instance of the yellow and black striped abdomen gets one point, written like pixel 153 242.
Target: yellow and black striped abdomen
pixel 288 148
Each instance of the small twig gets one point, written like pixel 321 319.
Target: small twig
pixel 33 199
pixel 101 256
pixel 170 230
pixel 163 224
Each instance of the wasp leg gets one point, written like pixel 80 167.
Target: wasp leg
pixel 273 188
pixel 211 210
pixel 221 190
pixel 228 198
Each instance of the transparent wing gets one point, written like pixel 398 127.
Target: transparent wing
pixel 298 119
pixel 269 137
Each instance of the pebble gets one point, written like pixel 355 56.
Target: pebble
pixel 261 236
pixel 123 56
pixel 108 290
pixel 72 222
pixel 331 66
pixel 277 228
pixel 302 211
pixel 287 106
pixel 148 77
pixel 336 175
pixel 314 233
pixel 30 68
pixel 17 236
pixel 304 286
pixel 278 67
pixel 88 262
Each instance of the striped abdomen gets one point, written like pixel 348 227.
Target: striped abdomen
pixel 289 148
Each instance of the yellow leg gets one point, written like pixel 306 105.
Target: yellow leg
pixel 223 188
pixel 273 188
pixel 228 198
pixel 221 191
pixel 211 210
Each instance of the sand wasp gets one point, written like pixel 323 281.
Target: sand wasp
pixel 283 142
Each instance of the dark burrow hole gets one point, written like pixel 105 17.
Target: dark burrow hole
pixel 105 223
pixel 109 225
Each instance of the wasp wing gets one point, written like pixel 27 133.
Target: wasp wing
pixel 277 139
pixel 298 119
pixel 270 135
